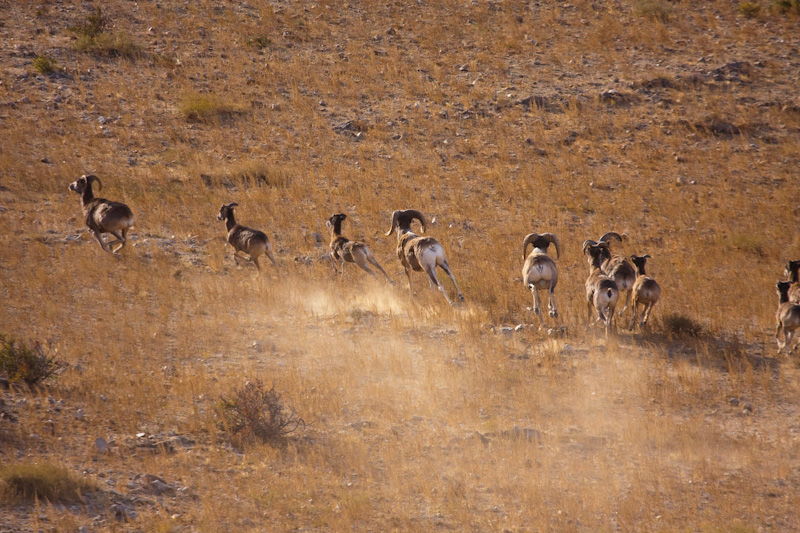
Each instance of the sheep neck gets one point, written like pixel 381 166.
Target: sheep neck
pixel 230 221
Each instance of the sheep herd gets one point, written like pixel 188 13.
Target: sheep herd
pixel 609 274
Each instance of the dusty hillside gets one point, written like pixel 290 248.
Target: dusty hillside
pixel 673 123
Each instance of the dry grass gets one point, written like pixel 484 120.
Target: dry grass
pixel 418 416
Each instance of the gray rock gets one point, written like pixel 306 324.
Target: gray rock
pixel 101 445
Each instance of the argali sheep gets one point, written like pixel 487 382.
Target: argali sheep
pixel 618 268
pixel 791 272
pixel 245 240
pixel 103 216
pixel 540 271
pixel 420 253
pixel 346 251
pixel 788 317
pixel 602 293
pixel 646 291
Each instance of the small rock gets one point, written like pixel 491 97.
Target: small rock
pixel 734 401
pixel 101 445
pixel 79 414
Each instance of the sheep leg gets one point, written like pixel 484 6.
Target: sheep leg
pixel 446 268
pixel 627 302
pixel 408 275
pixel 120 239
pixel 777 337
pixel 646 316
pixel 435 281
pixel 536 303
pixel 551 301
pixel 371 259
pixel 271 257
pixel 237 257
pixel 255 260
pixel 635 313
pixel 361 261
pixel 99 239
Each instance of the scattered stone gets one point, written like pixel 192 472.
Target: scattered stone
pixel 734 401
pixel 101 445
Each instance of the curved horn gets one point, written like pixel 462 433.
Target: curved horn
pixel 611 235
pixel 587 243
pixel 413 213
pixel 395 216
pixel 553 239
pixel 90 178
pixel 646 256
pixel 233 204
pixel 529 238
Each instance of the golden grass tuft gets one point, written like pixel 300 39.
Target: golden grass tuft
pixel 44 482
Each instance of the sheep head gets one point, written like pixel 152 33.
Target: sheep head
pixel 541 241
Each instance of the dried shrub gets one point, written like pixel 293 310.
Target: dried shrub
pixel 29 364
pixel 655 10
pixel 786 7
pixel 749 9
pixel 93 38
pixel 28 482
pixel 204 107
pixel 257 412
pixel 682 325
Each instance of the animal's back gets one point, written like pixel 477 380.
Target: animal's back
pixel 103 215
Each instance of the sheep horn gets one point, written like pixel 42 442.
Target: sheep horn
pixel 587 243
pixel 413 213
pixel 90 178
pixel 551 237
pixel 611 235
pixel 395 216
pixel 529 238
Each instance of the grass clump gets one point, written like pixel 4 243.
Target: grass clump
pixel 46 65
pixel 655 10
pixel 204 107
pixel 786 7
pixel 257 412
pixel 749 9
pixel 29 482
pixel 260 42
pixel 29 364
pixel 93 38
pixel 682 325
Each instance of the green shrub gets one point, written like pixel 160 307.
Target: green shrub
pixel 682 325
pixel 28 482
pixel 29 364
pixel 749 9
pixel 255 411
pixel 46 65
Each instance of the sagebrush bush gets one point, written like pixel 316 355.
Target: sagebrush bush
pixel 682 325
pixel 655 10
pixel 255 411
pixel 749 9
pixel 28 482
pixel 93 38
pixel 45 65
pixel 204 107
pixel 29 364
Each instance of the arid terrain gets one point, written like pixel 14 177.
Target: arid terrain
pixel 675 124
